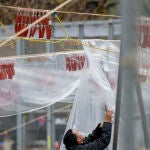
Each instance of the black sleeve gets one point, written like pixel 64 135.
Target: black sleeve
pixel 94 135
pixel 102 142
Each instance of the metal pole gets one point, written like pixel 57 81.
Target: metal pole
pixel 127 73
pixel 50 128
pixel 49 47
pixel 19 117
pixel 19 133
pixel 23 47
pixel 23 133
pixel 111 31
pixel 49 145
pixel 142 113
pixel 18 47
pixel 81 31
pixel 53 126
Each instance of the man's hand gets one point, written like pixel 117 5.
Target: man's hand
pixel 108 116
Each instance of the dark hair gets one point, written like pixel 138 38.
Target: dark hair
pixel 70 139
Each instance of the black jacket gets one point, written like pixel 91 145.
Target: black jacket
pixel 98 140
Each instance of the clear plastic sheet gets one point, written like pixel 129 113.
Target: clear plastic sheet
pixel 97 89
pixel 43 80
pixel 38 82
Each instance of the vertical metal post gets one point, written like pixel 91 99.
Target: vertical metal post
pixel 23 47
pixel 23 133
pixel 142 113
pixel 81 31
pixel 127 73
pixel 49 47
pixel 49 134
pixel 53 126
pixel 50 142
pixel 18 47
pixel 111 31
pixel 50 128
pixel 19 117
pixel 19 133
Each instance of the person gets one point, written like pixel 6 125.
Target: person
pixel 99 139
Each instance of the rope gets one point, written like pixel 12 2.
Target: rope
pixel 89 14
pixel 42 40
pixel 64 12
pixel 40 55
pixel 40 19
pixel 62 26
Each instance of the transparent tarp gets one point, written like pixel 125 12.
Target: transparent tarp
pixel 39 81
pixel 97 89
pixel 88 78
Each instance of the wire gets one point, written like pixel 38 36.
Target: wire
pixel 10 7
pixel 63 27
pixel 42 40
pixel 89 14
pixel 64 12
pixel 40 55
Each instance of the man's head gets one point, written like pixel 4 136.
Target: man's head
pixel 72 137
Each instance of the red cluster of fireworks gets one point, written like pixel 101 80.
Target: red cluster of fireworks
pixel 25 18
pixel 74 63
pixel 144 35
pixel 7 71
